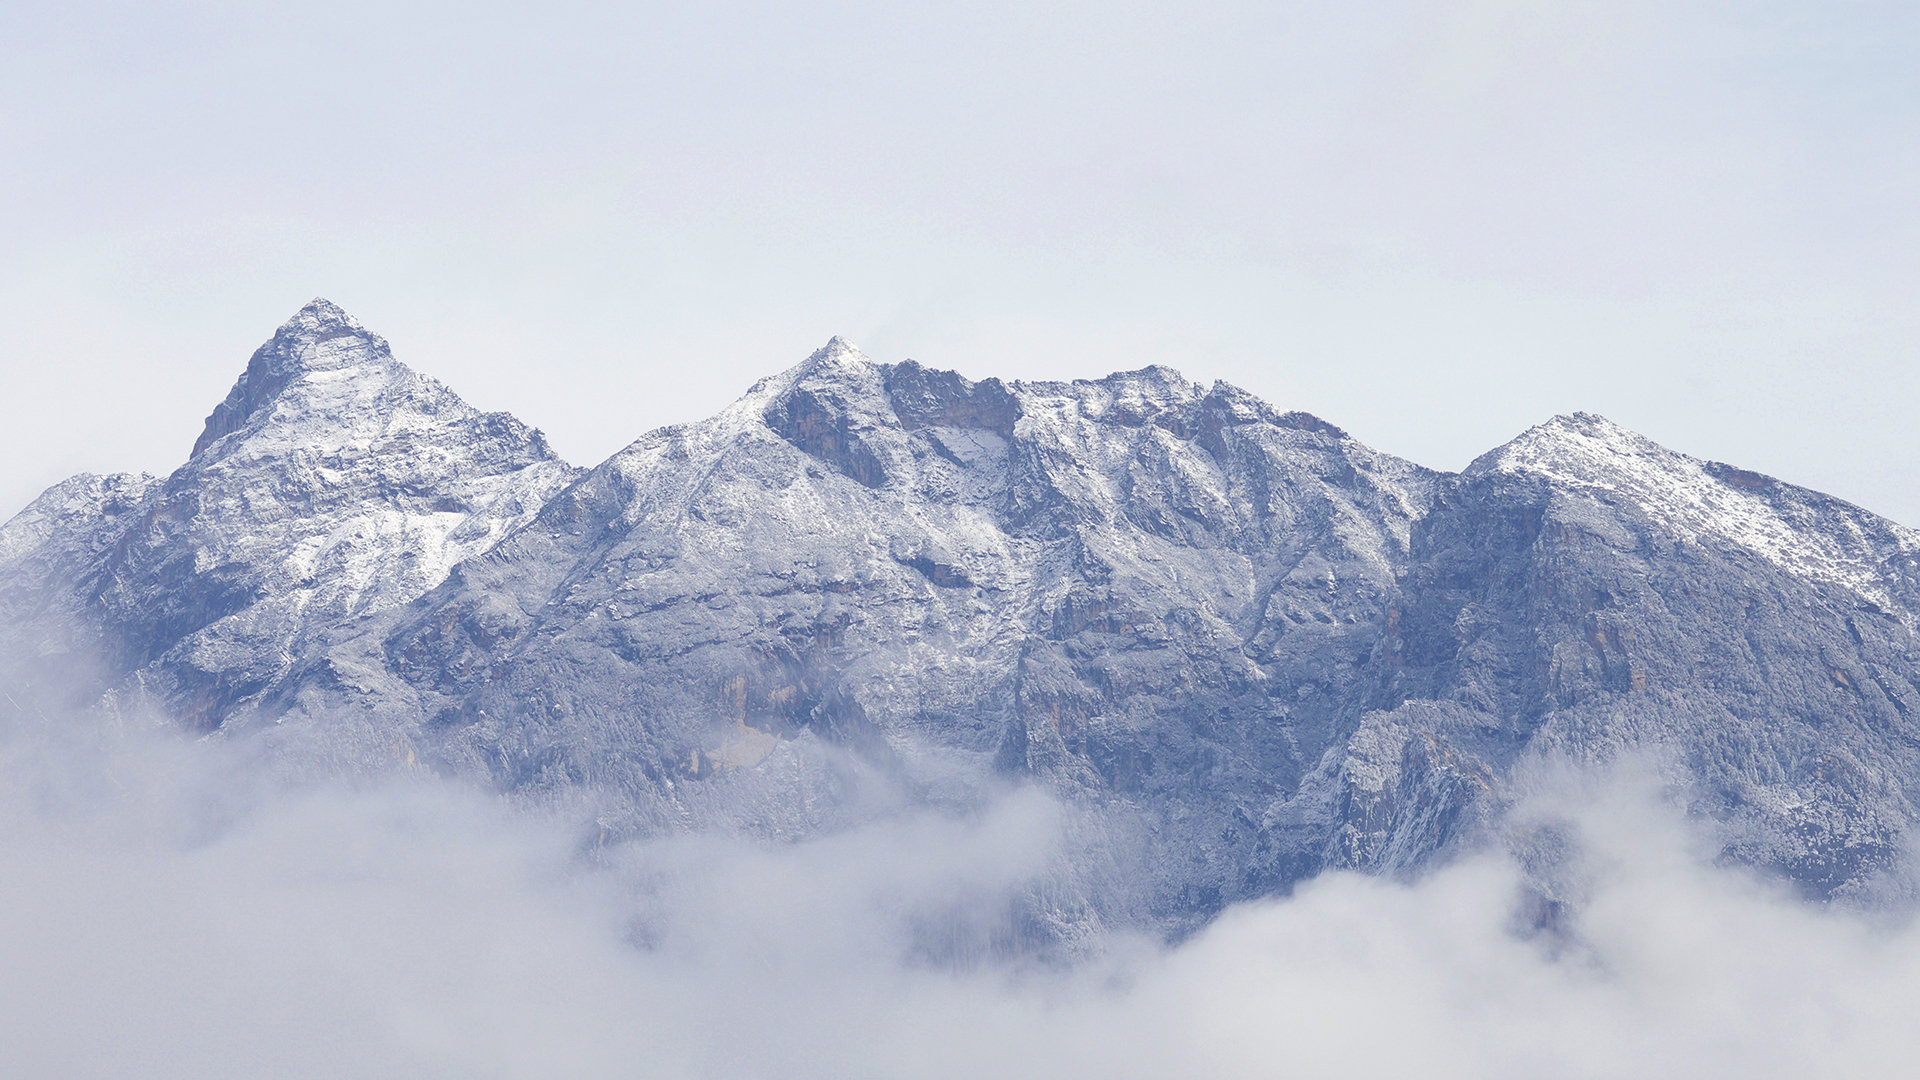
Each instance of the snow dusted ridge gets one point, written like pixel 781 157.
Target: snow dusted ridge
pixel 1802 532
pixel 1241 645
pixel 398 478
pixel 322 347
pixel 68 513
pixel 330 483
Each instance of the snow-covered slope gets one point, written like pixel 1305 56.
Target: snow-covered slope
pixel 1243 646
pixel 332 482
pixel 1803 532
pixel 49 642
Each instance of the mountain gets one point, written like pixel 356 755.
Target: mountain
pixel 1242 646
pixel 332 482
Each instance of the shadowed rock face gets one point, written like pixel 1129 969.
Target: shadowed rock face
pixel 1245 647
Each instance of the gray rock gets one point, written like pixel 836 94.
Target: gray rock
pixel 1241 646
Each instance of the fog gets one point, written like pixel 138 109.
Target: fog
pixel 166 910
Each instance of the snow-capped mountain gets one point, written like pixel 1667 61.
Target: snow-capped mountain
pixel 332 482
pixel 1244 646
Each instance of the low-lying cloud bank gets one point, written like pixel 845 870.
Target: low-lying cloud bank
pixel 165 911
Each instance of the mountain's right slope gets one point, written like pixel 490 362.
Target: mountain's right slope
pixel 1582 592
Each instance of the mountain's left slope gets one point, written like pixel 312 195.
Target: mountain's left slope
pixel 331 483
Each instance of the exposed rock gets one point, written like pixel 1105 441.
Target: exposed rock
pixel 1243 646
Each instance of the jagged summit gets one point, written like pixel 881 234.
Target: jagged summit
pixel 1157 376
pixel 840 389
pixel 320 339
pixel 322 313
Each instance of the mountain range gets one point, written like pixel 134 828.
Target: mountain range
pixel 1239 646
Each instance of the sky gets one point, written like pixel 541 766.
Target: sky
pixel 1432 224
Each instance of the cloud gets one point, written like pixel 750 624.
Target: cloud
pixel 165 911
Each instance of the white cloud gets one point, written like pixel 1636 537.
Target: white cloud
pixel 157 924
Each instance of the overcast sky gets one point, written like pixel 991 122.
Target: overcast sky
pixel 1433 224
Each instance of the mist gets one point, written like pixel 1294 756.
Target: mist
pixel 170 910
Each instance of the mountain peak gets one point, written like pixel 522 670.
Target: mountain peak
pixel 1580 447
pixel 1580 426
pixel 837 352
pixel 322 313
pixel 1806 534
pixel 320 337
pixel 1587 425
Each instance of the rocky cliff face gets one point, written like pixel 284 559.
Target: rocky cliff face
pixel 331 483
pixel 1244 646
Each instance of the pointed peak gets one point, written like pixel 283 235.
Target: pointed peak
pixel 1581 446
pixel 837 350
pixel 320 337
pixel 834 361
pixel 837 368
pixel 1583 425
pixel 322 313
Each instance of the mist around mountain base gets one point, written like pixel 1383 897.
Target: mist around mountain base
pixel 894 724
pixel 175 910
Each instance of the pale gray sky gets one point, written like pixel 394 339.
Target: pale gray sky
pixel 1433 224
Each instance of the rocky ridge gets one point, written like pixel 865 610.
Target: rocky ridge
pixel 1243 646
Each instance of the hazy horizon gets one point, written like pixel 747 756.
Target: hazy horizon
pixel 1433 225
